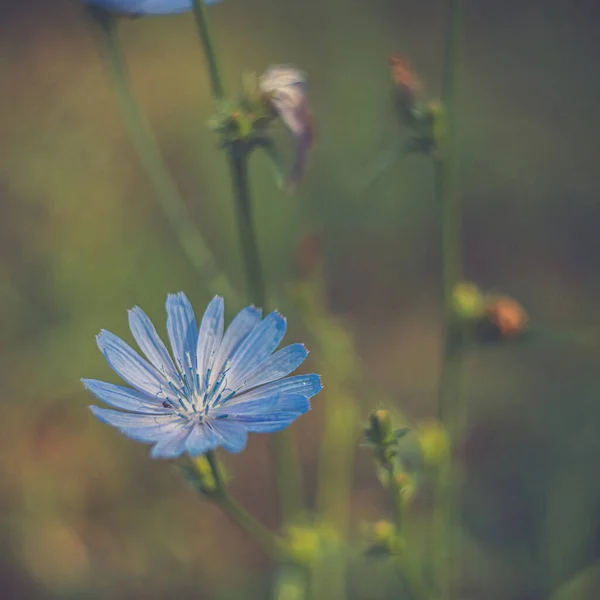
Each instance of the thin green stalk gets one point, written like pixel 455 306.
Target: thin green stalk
pixel 150 158
pixel 238 163
pixel 205 34
pixel 287 464
pixel 396 491
pixel 451 410
pixel 271 543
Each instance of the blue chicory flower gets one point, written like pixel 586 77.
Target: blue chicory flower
pixel 220 385
pixel 147 7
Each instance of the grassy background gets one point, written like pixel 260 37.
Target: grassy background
pixel 84 513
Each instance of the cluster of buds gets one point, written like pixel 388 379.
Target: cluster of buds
pixel 279 93
pixel 493 317
pixel 425 118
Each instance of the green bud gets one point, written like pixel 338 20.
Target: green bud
pixel 381 428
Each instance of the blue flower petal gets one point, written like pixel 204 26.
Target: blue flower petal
pixel 124 398
pixel 140 427
pixel 233 436
pixel 209 338
pixel 172 445
pixel 243 323
pixel 264 408
pixel 267 423
pixel 152 346
pixel 278 365
pixel 148 7
pixel 127 363
pixel 201 440
pixel 256 348
pixel 183 334
pixel 302 385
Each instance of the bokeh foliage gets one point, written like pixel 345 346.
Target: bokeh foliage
pixel 85 514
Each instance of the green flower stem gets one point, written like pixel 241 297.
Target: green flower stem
pixel 271 543
pixel 238 162
pixel 287 464
pixel 396 491
pixel 148 153
pixel 451 409
pixel 205 34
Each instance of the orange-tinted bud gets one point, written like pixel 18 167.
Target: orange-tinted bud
pixel 507 315
pixel 404 77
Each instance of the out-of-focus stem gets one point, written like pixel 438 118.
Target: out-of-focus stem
pixel 287 463
pixel 451 409
pixel 205 34
pixel 271 543
pixel 148 153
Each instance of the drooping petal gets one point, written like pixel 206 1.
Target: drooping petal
pixel 286 87
pixel 128 364
pixel 140 427
pixel 256 348
pixel 147 7
pixel 183 334
pixel 209 338
pixel 243 323
pixel 149 341
pixel 302 385
pixel 172 444
pixel 233 436
pixel 125 398
pixel 278 365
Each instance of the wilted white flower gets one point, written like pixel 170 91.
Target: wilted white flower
pixel 286 88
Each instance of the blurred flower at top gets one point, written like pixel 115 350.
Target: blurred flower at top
pixel 218 386
pixel 147 7
pixel 285 87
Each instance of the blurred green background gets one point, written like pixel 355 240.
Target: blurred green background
pixel 83 512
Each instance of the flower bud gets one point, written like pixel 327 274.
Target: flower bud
pixel 381 428
pixel 468 301
pixel 434 443
pixel 407 87
pixel 383 530
pixel 506 315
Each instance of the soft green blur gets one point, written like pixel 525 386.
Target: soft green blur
pixel 85 513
